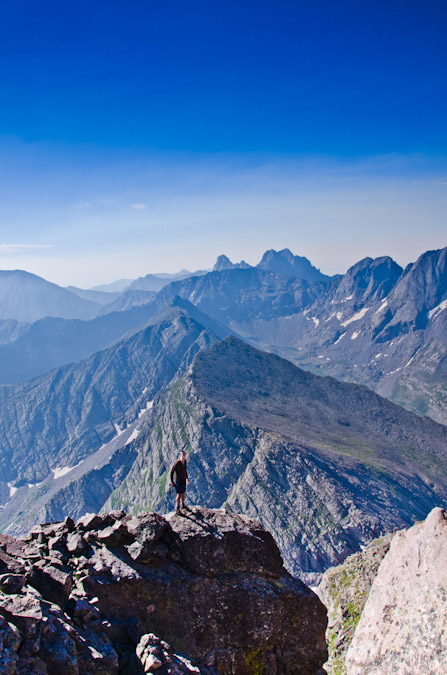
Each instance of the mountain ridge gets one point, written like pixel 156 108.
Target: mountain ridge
pixel 27 297
pixel 327 466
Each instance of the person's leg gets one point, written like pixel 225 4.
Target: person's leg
pixel 182 497
pixel 177 502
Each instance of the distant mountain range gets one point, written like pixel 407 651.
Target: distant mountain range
pixel 27 297
pixel 377 324
pixel 94 410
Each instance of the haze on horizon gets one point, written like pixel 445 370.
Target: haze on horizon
pixel 156 136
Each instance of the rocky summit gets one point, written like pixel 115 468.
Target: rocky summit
pixel 200 591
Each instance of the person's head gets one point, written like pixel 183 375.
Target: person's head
pixel 183 455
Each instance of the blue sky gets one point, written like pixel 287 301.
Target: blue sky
pixel 149 136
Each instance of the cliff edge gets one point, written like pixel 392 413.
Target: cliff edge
pixel 203 591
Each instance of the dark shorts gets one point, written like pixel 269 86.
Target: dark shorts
pixel 180 486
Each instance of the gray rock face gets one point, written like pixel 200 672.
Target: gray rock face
pixel 324 465
pixel 237 297
pixel 375 325
pixel 403 627
pixel 240 612
pixel 344 590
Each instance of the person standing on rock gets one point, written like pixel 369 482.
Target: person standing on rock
pixel 181 479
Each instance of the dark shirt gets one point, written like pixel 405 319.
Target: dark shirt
pixel 180 470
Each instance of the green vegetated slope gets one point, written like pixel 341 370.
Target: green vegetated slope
pixel 325 465
pixel 344 590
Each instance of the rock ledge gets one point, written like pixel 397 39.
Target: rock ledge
pixel 204 591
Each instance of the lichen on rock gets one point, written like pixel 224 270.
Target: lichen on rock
pixel 344 590
pixel 403 627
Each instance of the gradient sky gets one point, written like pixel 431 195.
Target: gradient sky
pixel 149 136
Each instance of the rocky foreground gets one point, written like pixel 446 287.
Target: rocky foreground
pixel 387 605
pixel 403 628
pixel 204 591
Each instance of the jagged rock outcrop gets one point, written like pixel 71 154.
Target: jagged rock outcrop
pixel 284 262
pixel 245 296
pixel 344 590
pixel 403 627
pixel 224 263
pixel 376 325
pixel 203 591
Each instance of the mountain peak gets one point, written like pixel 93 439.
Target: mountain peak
pixel 224 263
pixel 369 279
pixel 290 265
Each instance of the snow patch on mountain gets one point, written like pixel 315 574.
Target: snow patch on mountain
pixel 135 433
pixel 410 361
pixel 436 310
pixel 147 407
pixel 359 315
pixel 61 471
pixel 341 336
pixel 12 489
pixel 382 307
pixel 118 429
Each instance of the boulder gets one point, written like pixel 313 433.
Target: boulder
pixel 244 612
pixel 76 544
pixel 344 590
pixel 403 627
pixel 156 656
pixel 58 648
pixel 90 521
pixel 12 583
pixel 9 645
pixel 213 541
pixel 53 583
pixel 26 613
pixel 146 532
pixel 95 654
pixel 109 536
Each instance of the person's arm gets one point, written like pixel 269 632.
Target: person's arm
pixel 172 474
pixel 186 471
